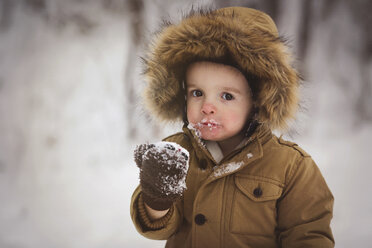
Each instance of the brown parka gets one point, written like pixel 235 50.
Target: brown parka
pixel 268 193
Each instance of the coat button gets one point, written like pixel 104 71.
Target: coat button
pixel 257 192
pixel 203 164
pixel 200 219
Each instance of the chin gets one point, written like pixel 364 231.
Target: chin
pixel 212 137
pixel 220 137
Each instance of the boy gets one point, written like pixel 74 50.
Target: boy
pixel 226 180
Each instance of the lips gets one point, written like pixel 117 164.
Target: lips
pixel 211 123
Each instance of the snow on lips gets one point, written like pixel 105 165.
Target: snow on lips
pixel 175 158
pixel 211 123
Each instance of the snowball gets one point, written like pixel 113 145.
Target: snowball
pixel 173 184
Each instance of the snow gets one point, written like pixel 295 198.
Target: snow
pixel 164 147
pixel 172 184
pixel 249 155
pixel 66 173
pixel 226 168
pixel 211 123
pixel 193 127
pixel 66 167
pixel 197 133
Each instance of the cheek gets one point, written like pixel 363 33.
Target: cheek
pixel 235 119
pixel 191 112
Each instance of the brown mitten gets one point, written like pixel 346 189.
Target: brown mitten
pixel 163 168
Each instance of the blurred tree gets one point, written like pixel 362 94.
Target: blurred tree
pixel 38 5
pixel 6 10
pixel 361 11
pixel 136 12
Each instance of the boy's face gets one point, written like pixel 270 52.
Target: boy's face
pixel 218 100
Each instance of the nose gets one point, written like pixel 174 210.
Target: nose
pixel 208 108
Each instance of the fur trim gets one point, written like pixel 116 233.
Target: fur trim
pixel 246 36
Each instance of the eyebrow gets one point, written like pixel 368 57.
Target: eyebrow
pixel 231 89
pixel 191 85
pixel 224 88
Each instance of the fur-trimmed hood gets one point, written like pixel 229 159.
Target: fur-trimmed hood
pixel 246 36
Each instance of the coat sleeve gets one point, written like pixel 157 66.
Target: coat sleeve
pixel 161 234
pixel 305 208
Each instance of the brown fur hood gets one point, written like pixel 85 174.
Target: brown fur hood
pixel 246 36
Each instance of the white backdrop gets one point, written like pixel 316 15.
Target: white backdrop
pixel 66 168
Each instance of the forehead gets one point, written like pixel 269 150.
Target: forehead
pixel 203 72
pixel 207 65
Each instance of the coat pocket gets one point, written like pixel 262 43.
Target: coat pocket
pixel 254 205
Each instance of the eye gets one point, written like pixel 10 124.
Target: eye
pixel 196 93
pixel 227 96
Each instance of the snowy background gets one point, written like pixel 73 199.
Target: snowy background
pixel 70 115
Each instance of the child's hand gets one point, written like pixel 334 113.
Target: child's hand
pixel 163 168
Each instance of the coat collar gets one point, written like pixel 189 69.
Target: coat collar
pixel 250 151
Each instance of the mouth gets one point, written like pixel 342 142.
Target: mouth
pixel 210 123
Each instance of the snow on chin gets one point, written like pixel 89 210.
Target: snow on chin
pixel 196 129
